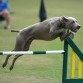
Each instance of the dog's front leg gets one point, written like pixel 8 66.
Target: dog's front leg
pixel 65 35
pixel 72 35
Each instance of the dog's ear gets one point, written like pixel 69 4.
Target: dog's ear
pixel 64 19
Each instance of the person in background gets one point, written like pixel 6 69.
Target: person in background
pixel 5 13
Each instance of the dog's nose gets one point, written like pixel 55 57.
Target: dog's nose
pixel 78 27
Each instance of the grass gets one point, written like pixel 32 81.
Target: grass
pixel 39 68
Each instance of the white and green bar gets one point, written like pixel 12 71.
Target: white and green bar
pixel 31 52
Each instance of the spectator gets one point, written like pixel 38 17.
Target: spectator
pixel 5 13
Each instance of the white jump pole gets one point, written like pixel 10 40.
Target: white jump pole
pixel 31 52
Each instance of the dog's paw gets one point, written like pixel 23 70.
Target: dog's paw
pixel 72 35
pixel 4 65
pixel 68 34
pixel 11 67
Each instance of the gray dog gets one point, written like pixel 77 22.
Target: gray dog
pixel 47 30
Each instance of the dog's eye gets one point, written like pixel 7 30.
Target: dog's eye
pixel 72 22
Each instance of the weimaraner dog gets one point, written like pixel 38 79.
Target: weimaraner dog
pixel 47 30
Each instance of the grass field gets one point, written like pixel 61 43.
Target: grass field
pixel 39 68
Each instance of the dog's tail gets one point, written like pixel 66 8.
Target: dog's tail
pixel 13 30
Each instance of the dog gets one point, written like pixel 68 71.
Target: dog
pixel 48 30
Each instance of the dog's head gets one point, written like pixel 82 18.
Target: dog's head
pixel 70 23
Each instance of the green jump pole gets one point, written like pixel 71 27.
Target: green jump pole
pixel 65 60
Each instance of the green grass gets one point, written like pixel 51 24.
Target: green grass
pixel 39 68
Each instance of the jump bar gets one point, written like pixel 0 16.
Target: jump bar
pixel 31 52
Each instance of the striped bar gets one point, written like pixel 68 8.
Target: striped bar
pixel 79 68
pixel 31 52
pixel 73 59
pixel 73 64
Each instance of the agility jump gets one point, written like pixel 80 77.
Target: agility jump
pixel 76 51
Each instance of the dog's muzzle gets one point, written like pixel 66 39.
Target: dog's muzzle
pixel 75 29
pixel 78 27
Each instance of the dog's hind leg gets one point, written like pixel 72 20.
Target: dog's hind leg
pixel 6 61
pixel 16 56
pixel 25 48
